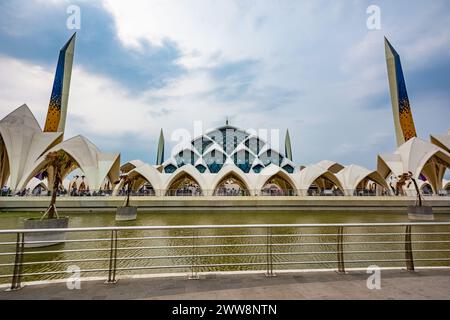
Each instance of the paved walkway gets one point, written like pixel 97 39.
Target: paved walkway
pixel 424 284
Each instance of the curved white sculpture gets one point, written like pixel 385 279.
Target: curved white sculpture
pixel 23 143
pixel 419 157
pixel 351 176
pixel 96 166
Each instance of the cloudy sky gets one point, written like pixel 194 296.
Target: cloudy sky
pixel 311 66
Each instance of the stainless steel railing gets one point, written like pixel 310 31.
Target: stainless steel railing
pixel 114 251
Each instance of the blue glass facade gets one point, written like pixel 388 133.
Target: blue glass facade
pixel 230 144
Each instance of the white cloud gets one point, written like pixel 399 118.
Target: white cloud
pixel 319 51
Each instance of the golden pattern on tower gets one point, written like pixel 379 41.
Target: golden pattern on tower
pixel 406 120
pixel 57 109
pixel 403 119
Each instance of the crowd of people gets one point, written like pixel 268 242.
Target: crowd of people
pixel 186 191
pixel 231 192
pixel 142 192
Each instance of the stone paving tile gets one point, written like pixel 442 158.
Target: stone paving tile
pixel 429 284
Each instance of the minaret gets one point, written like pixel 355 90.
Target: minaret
pixel 57 110
pixel 403 119
pixel 288 147
pixel 160 155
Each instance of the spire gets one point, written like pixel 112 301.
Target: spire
pixel 227 122
pixel 288 147
pixel 160 154
pixel 57 110
pixel 403 119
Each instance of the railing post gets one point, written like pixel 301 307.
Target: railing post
pixel 113 259
pixel 194 273
pixel 408 249
pixel 269 254
pixel 16 283
pixel 340 250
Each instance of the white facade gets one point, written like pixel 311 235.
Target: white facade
pixel 23 149
pixel 22 143
pixel 419 157
pixel 223 162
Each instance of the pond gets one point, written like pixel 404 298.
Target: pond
pixel 172 250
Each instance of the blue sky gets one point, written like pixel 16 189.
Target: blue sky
pixel 310 66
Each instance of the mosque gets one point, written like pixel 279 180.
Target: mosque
pixel 226 161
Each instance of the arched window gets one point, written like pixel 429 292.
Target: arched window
pixel 184 186
pixel 278 186
pixel 231 186
pixel 426 190
pixel 323 186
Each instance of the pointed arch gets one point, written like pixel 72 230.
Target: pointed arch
pixel 419 157
pixel 232 172
pixel 355 177
pixel 145 174
pixel 273 181
pixel 319 176
pixel 22 142
pixel 95 165
pixel 178 184
pixel 426 189
pixel 35 185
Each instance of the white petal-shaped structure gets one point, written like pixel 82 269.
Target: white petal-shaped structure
pixel 232 170
pixel 187 170
pixel 316 173
pixel 35 182
pixel 422 186
pixel 149 174
pixel 446 185
pixel 331 166
pixel 419 157
pixel 270 173
pixel 442 141
pixel 352 176
pixel 22 143
pixel 96 166
pixel 142 174
pixel 127 167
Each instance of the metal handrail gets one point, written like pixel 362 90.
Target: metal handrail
pixel 192 245
pixel 242 226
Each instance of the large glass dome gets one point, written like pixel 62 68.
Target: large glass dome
pixel 228 145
